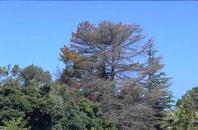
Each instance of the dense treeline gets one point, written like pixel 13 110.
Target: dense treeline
pixel 112 80
pixel 29 96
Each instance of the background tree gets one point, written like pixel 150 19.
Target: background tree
pixel 45 111
pixel 118 67
pixel 156 85
pixel 185 116
pixel 108 50
pixel 33 72
pixel 70 74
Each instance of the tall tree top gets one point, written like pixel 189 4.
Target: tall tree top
pixel 108 50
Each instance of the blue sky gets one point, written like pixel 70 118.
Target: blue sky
pixel 33 32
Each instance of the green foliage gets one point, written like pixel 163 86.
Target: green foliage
pixel 70 76
pixel 80 113
pixel 25 76
pixel 14 124
pixel 184 117
pixel 3 70
pixel 57 108
pixel 36 73
pixel 27 103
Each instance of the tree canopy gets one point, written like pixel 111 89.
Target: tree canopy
pixel 117 66
pixel 112 79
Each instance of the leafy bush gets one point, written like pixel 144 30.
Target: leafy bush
pixel 14 124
